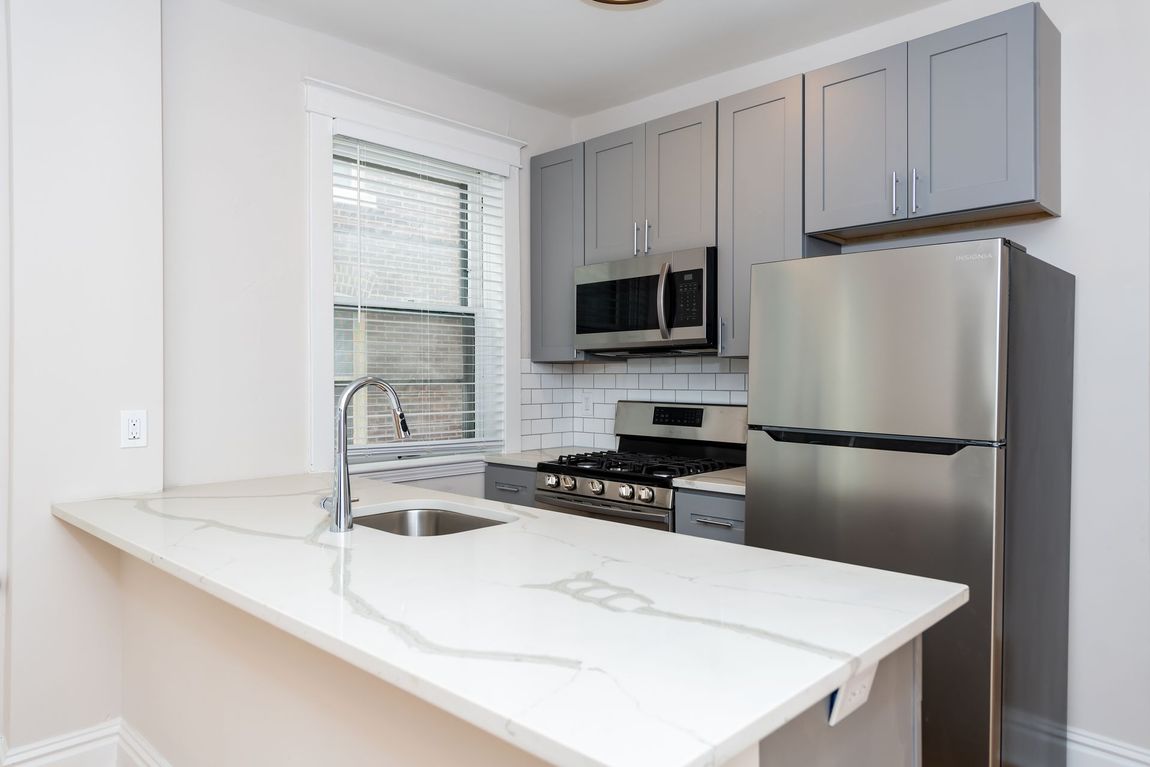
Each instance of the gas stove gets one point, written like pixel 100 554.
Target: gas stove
pixel 658 442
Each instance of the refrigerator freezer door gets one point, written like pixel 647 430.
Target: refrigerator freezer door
pixel 910 341
pixel 925 514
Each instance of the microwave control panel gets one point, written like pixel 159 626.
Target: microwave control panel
pixel 688 287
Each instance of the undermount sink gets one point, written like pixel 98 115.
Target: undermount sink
pixel 424 520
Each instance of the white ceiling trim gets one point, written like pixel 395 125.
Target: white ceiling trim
pixel 384 122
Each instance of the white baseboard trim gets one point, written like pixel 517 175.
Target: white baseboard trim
pixel 114 743
pixel 137 750
pixel 91 746
pixel 1088 749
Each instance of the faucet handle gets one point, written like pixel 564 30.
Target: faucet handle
pixel 401 424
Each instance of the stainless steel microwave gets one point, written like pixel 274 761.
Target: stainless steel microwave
pixel 661 303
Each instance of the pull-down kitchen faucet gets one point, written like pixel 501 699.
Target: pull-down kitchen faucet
pixel 341 491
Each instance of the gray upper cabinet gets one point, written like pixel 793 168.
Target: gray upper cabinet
pixel 760 196
pixel 976 127
pixel 556 249
pixel 856 141
pixel 958 127
pixel 680 181
pixel 614 195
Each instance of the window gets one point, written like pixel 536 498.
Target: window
pixel 418 258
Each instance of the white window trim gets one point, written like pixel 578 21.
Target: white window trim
pixel 333 110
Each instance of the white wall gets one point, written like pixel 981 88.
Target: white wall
pixel 235 223
pixel 1103 238
pixel 86 340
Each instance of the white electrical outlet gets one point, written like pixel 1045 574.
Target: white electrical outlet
pixel 586 405
pixel 133 428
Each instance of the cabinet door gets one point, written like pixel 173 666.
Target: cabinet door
pixel 556 249
pixel 680 188
pixel 509 484
pixel 856 141
pixel 760 210
pixel 710 515
pixel 614 195
pixel 971 114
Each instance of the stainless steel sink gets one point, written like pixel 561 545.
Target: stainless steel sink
pixel 423 522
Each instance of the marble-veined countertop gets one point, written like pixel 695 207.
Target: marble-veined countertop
pixel 580 641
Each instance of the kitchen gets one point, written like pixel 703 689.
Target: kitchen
pixel 215 347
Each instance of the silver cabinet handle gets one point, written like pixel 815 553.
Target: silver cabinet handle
pixel 914 190
pixel 646 235
pixel 661 301
pixel 507 488
pixel 635 240
pixel 894 192
pixel 721 323
pixel 714 522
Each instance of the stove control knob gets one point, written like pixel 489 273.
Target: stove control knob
pixel 646 494
pixel 596 487
pixel 568 482
pixel 626 492
pixel 551 480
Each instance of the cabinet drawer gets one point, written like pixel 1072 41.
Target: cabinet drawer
pixel 710 526
pixel 509 485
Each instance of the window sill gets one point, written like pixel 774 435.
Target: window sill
pixel 432 467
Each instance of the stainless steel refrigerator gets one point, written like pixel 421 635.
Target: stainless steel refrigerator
pixel 910 410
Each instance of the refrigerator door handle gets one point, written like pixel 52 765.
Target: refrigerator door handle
pixel 872 441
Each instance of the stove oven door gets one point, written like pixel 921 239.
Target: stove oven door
pixel 655 519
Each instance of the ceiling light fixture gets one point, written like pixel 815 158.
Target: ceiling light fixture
pixel 620 2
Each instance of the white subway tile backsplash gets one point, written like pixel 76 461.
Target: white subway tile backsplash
pixel 730 381
pixel 700 381
pixel 649 381
pixel 552 394
pixel 627 381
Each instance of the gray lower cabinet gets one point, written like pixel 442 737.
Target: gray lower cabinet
pixel 958 127
pixel 760 196
pixel 718 516
pixel 556 249
pixel 680 181
pixel 614 195
pixel 509 484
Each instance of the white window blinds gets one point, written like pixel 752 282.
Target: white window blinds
pixel 418 247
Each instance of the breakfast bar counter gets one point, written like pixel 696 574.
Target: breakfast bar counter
pixel 579 641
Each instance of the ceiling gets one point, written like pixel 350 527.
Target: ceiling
pixel 574 57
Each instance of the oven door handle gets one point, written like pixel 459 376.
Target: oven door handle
pixel 661 300
pixel 595 510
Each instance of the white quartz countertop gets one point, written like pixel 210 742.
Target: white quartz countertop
pixel 580 641
pixel 529 458
pixel 729 481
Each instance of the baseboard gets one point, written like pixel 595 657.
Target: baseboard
pixel 114 743
pixel 1088 749
pixel 137 751
pixel 91 747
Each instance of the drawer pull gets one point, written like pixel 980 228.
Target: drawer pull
pixel 715 522
pixel 507 488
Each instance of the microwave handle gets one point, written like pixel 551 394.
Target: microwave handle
pixel 661 300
